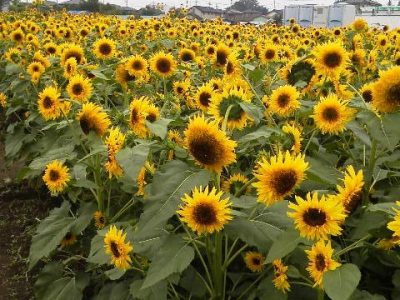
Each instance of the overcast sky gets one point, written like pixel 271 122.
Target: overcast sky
pixel 218 3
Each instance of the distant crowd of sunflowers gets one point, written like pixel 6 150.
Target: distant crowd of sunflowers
pixel 201 160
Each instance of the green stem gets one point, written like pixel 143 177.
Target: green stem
pixel 321 294
pixel 244 187
pixel 122 210
pixel 369 175
pixel 218 269
pixel 224 124
pixel 232 258
pixel 244 293
pixel 352 246
pixel 309 140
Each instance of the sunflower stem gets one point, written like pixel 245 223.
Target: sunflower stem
pixel 244 293
pixel 244 187
pixel 369 175
pixel 309 140
pixel 321 294
pixel 232 258
pixel 224 124
pixel 352 246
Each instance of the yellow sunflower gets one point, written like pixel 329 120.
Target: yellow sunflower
pixel 99 220
pixel 284 100
pixel 68 240
pixel 320 261
pixel 92 117
pixel 295 137
pixel 395 224
pixel 254 261
pixel 144 176
pixel 187 55
pixel 331 115
pixel 163 64
pixel 230 98
pixel 79 88
pixel 330 59
pixel 205 211
pixel 70 67
pixel 359 24
pixel 115 245
pixel 203 97
pixel 104 48
pixel 233 67
pixel 386 91
pixel 72 50
pixel 142 110
pixel 49 104
pixel 280 277
pixel 316 218
pixel 350 194
pixel 235 183
pixel 221 55
pixel 136 66
pixel 210 147
pixel 3 100
pixel 279 176
pixel 122 76
pixel 56 176
pixel 181 88
pixel 268 54
pixel 366 92
pixel 35 68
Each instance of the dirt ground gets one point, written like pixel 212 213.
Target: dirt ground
pixel 20 210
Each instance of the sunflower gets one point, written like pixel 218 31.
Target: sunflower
pixel 320 261
pixel 331 115
pixel 268 53
pixel 17 35
pixel 70 67
pixel 279 176
pixel 3 100
pixel 302 70
pixel 181 88
pixel 115 245
pixel 330 59
pixel 230 98
pixel 136 66
pixel 280 277
pixel 141 110
pixel 163 64
pixel 104 48
pixel 144 176
pixel 210 147
pixel 221 55
pixel 35 68
pixel 316 217
pixel 359 24
pixel 92 117
pixel 235 183
pixel 386 90
pixel 187 55
pixel 99 219
pixel 72 50
pixel 79 88
pixel 388 244
pixel 115 140
pixel 295 137
pixel 204 211
pixel 254 261
pixel 350 194
pixel 366 92
pixel 233 67
pixel 56 176
pixel 203 97
pixel 122 76
pixel 68 240
pixel 395 224
pixel 284 100
pixel 49 104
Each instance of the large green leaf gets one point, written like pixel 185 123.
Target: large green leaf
pixel 51 272
pixel 283 245
pixel 174 257
pixel 97 254
pixel 114 291
pixel 60 153
pixel 85 216
pixel 49 233
pixel 170 183
pixel 155 292
pixel 132 160
pixel 253 111
pixel 340 283
pixel 262 132
pixel 159 127
pixel 66 288
pixel 322 171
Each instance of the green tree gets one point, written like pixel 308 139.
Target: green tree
pixel 243 5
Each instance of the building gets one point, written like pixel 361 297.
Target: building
pixel 205 13
pixel 234 16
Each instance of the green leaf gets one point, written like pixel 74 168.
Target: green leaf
pixel 97 254
pixel 174 257
pixel 84 183
pixel 267 290
pixel 155 292
pixel 85 216
pixel 322 171
pixel 253 111
pixel 60 153
pixel 387 207
pixel 49 233
pixel 283 245
pixel 114 291
pixel 12 69
pixel 262 132
pixel 191 282
pixel 114 274
pixel 132 160
pixel 98 74
pixel 249 67
pixel 159 127
pixel 67 288
pixel 359 132
pixel 170 183
pixel 51 272
pixel 364 295
pixel 340 283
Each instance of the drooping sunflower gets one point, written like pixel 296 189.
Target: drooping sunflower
pixel 205 212
pixel 70 67
pixel 330 59
pixel 68 240
pixel 114 142
pixel 279 176
pixel 221 55
pixel 56 176
pixel 92 117
pixel 320 261
pixel 163 64
pixel 79 88
pixel 366 92
pixel 72 50
pixel 230 98
pixel 317 218
pixel 280 277
pixel 203 97
pixel 254 261
pixel 284 100
pixel 233 67
pixel 210 147
pixel 112 167
pixel 122 76
pixel 104 48
pixel 295 137
pixel 115 245
pixel 331 114
pixel 145 175
pixel 235 183
pixel 386 91
pixel 49 104
pixel 136 66
pixel 139 113
pixel 395 224
pixel 99 219
pixel 350 194
pixel 388 244
pixel 187 55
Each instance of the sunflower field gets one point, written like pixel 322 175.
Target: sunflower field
pixel 201 160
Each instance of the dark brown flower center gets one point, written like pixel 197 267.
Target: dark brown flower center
pixel 332 60
pixel 114 249
pixel 51 50
pixel 221 57
pixel 283 100
pixel 75 54
pixel 352 203
pixel 77 89
pixel 137 65
pixel 105 49
pixel 151 117
pixel 47 102
pixel 187 56
pixel 367 95
pixel 54 175
pixel 320 262
pixel 86 125
pixel 314 217
pixel 134 116
pixel 256 261
pixel 163 65
pixel 330 114
pixel 269 54
pixel 68 236
pixel 394 94
pixel 204 214
pixel 284 181
pixel 229 68
pixel 205 99
pixel 205 149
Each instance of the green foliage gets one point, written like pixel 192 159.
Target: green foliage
pixel 341 283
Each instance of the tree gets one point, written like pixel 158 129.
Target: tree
pixel 150 10
pixel 243 5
